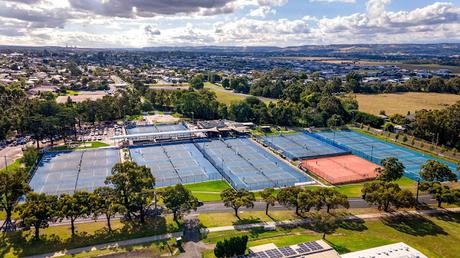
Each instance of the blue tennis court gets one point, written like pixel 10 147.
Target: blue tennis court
pixel 155 128
pixel 375 150
pixel 178 163
pixel 301 146
pixel 68 171
pixel 246 165
pixel 96 166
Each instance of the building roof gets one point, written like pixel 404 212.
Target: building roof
pixel 398 250
pixel 313 249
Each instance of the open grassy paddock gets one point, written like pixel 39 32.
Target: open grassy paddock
pixel 401 103
pixel 228 96
pixel 434 236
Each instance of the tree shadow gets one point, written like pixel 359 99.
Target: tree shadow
pixel 415 225
pixel 25 245
pixel 250 220
pixel 339 248
pixel 354 224
pixel 448 216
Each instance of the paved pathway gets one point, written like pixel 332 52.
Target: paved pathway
pixel 193 249
pixel 304 221
pixel 135 241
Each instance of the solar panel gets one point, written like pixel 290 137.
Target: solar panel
pixel 287 251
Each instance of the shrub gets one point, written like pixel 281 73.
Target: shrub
pixel 234 246
pixel 404 139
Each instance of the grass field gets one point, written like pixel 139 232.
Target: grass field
pixel 354 190
pixel 20 244
pixel 332 60
pixel 208 191
pixel 228 96
pixel 433 236
pixel 16 164
pixel 153 249
pixel 82 146
pixel 72 92
pixel 401 103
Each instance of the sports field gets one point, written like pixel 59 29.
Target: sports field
pixel 343 169
pixel 401 103
pixel 375 150
pixel 68 171
pixel 244 164
pixel 301 146
pixel 172 164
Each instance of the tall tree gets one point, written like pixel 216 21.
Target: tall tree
pixel 38 211
pixel 179 200
pixel 197 82
pixel 331 199
pixel 75 206
pixel 387 194
pixel 289 197
pixel 269 198
pixel 236 199
pixel 442 193
pixel 324 223
pixel 435 171
pixel 105 203
pixel 30 157
pixel 134 186
pixel 392 169
pixel 308 199
pixel 13 185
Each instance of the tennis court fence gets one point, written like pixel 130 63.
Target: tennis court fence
pixel 338 145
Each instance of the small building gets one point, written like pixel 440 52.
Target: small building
pixel 398 250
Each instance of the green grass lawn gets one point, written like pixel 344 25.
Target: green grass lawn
pixel 135 118
pixel 354 190
pixel 209 186
pixel 154 249
pixel 57 238
pixel 16 164
pixel 72 92
pixel 82 146
pixel 208 191
pixel 433 236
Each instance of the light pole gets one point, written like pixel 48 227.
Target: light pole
pixel 416 197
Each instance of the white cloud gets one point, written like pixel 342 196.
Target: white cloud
pixel 101 23
pixel 272 2
pixel 334 1
pixel 262 11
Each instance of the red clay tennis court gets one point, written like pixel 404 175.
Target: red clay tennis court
pixel 341 169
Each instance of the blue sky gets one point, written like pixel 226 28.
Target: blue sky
pixel 142 23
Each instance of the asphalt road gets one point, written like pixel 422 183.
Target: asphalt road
pixel 11 153
pixel 218 207
pixel 355 203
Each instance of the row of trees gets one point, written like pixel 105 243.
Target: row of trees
pixel 440 126
pixel 385 193
pixel 301 199
pixel 132 194
pixel 44 118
